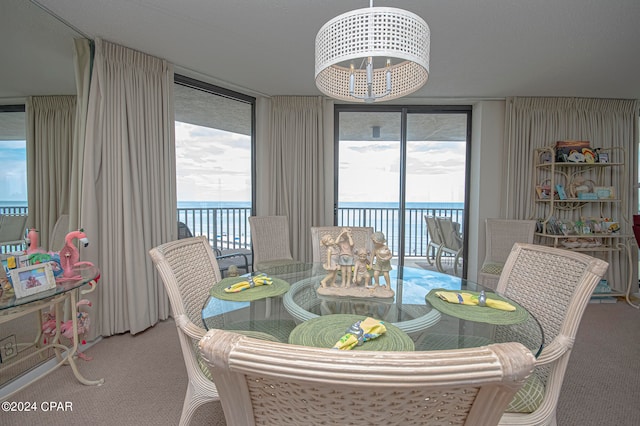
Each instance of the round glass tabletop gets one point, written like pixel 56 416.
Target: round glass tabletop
pixel 412 312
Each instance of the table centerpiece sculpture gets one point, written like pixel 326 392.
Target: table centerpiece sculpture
pixel 354 266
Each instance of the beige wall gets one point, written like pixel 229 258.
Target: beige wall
pixel 486 177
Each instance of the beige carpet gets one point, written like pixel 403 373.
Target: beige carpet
pixel 145 384
pixel 145 379
pixel 602 384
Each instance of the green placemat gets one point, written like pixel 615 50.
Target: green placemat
pixel 257 335
pixel 478 313
pixel 325 331
pixel 278 329
pixel 260 292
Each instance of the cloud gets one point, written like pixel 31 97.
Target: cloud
pixel 215 165
pixel 435 171
pixel 212 164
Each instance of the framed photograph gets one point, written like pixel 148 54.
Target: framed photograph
pixel 561 193
pixel 544 192
pixel 605 192
pixel 32 279
pixel 603 157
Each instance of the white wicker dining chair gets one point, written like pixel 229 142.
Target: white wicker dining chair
pixel 59 232
pixel 554 285
pixel 270 242
pixel 501 234
pixel 271 383
pixel 188 269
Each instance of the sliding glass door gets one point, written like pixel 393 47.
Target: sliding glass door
pixel 395 165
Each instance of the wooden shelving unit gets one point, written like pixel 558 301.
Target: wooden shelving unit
pixel 576 197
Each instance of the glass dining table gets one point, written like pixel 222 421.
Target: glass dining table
pixel 291 310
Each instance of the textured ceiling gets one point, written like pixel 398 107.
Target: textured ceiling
pixel 479 49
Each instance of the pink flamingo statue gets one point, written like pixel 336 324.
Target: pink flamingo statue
pixel 32 240
pixel 69 256
pixel 66 327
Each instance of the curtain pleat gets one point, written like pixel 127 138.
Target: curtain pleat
pixel 128 200
pixel 532 123
pixel 295 164
pixel 50 129
pixel 82 60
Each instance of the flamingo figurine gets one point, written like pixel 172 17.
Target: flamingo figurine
pixel 66 327
pixel 69 256
pixel 32 240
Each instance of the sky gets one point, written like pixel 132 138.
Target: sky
pixel 214 165
pixel 370 171
pixel 13 171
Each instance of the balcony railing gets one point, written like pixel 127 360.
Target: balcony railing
pixel 228 227
pixel 13 210
pixel 386 221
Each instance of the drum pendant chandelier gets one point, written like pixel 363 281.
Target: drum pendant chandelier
pixel 372 53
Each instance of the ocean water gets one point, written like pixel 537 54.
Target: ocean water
pixel 429 205
pixel 4 204
pixel 226 225
pixel 246 204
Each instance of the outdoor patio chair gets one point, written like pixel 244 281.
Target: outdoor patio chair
pixel 435 239
pixel 271 383
pixel 189 269
pixel 554 285
pixel 271 244
pixel 501 235
pixel 452 242
pixel 238 257
pixel 13 229
pixel 183 231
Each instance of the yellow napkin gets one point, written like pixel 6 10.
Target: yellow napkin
pixel 360 332
pixel 252 282
pixel 471 299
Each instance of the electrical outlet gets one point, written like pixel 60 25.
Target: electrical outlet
pixel 8 348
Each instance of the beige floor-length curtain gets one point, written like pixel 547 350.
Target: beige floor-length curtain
pixel 82 60
pixel 128 187
pixel 538 122
pixel 294 167
pixel 50 128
